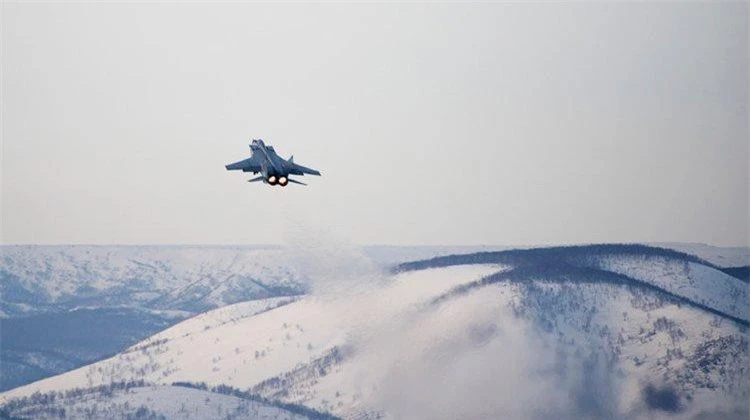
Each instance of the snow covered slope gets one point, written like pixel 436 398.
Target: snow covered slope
pixel 583 332
pixel 121 294
pixel 36 347
pixel 126 293
pixel 152 402
pixel 43 279
pixel 37 279
pixel 720 256
pixel 697 282
pixel 244 344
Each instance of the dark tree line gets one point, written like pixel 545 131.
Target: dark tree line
pixel 561 271
pixel 228 390
pixel 574 255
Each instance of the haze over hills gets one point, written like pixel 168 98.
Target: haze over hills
pixel 123 294
pixel 39 279
pixel 191 279
pixel 567 332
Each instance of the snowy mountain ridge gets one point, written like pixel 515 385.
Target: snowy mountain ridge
pixel 127 293
pixel 471 336
pixel 686 277
pixel 194 279
pixel 47 279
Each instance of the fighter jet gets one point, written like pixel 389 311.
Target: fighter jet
pixel 274 170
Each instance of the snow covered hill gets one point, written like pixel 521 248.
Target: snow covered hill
pixel 39 279
pixel 140 401
pixel 97 300
pixel 697 282
pixel 123 294
pixel 36 347
pixel 243 344
pixel 53 279
pixel 581 332
pixel 720 256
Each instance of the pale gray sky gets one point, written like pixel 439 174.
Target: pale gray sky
pixel 436 123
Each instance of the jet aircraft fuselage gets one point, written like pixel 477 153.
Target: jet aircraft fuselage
pixel 273 168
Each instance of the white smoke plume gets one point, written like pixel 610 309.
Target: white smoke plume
pixel 465 358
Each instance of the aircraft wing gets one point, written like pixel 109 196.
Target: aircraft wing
pixel 295 169
pixel 250 164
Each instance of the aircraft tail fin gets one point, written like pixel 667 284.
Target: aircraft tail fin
pixel 291 159
pixel 294 181
pixel 256 179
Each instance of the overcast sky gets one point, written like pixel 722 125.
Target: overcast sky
pixel 436 123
